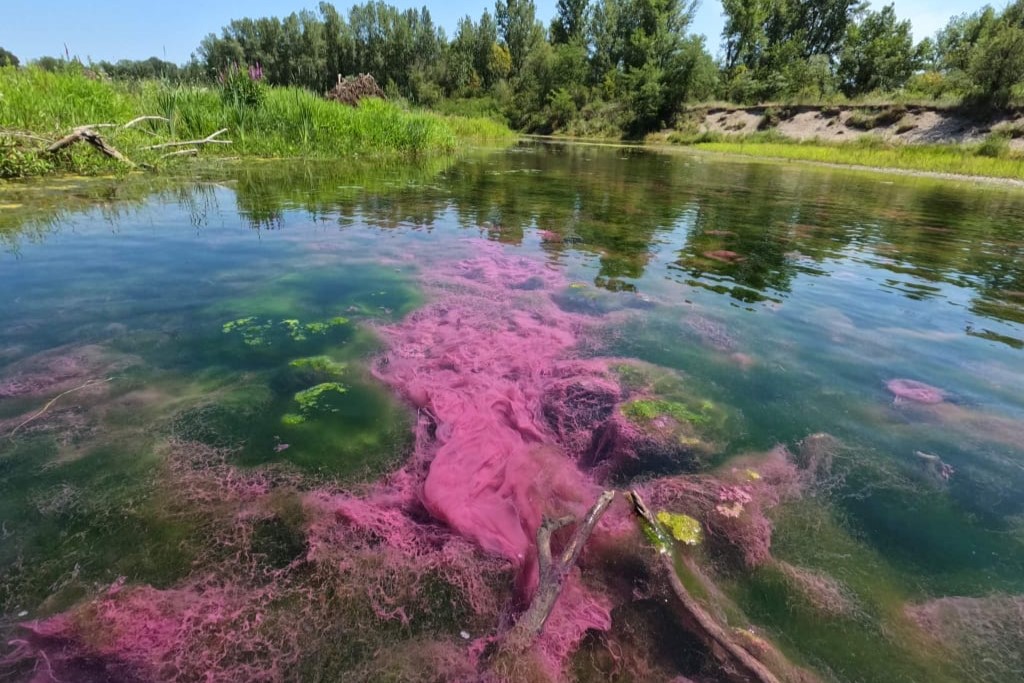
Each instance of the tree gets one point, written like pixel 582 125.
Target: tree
pixel 878 54
pixel 570 22
pixel 998 64
pixel 956 44
pixel 7 58
pixel 780 43
pixel 519 29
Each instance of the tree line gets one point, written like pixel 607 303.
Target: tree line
pixel 613 66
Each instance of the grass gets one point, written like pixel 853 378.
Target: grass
pixel 287 122
pixel 991 158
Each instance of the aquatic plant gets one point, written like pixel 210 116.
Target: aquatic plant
pixel 314 398
pixel 683 528
pixel 265 332
pixel 320 365
pixel 823 593
pixel 985 634
pixel 645 411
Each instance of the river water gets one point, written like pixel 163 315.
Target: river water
pixel 301 422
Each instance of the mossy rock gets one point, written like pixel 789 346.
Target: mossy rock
pixel 695 424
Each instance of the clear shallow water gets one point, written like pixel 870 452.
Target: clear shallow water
pixel 785 296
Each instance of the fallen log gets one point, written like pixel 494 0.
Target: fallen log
pixel 88 134
pixel 553 572
pixel 738 664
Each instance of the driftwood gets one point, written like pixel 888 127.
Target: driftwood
pixel 139 119
pixel 208 140
pixel 553 572
pixel 738 664
pixel 88 134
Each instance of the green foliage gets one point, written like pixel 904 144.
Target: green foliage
pixel 869 119
pixel 998 63
pixel 288 122
pixel 995 146
pixel 238 89
pixel 19 161
pixel 878 54
pixel 8 58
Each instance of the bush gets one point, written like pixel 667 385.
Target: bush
pixel 995 146
pixel 869 120
pixel 242 88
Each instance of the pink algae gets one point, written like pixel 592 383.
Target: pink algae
pixel 510 428
pixel 918 392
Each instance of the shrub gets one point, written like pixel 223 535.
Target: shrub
pixel 995 146
pixel 242 88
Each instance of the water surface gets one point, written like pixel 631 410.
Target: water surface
pixel 244 312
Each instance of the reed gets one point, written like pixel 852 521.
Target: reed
pixel 285 123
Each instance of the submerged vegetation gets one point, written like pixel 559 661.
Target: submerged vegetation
pixel 604 314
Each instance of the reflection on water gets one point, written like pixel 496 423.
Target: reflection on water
pixel 243 312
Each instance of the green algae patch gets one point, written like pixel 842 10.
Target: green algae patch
pixel 683 528
pixel 268 332
pixel 316 399
pixel 319 364
pixel 647 410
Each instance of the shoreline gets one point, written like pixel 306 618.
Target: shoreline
pixel 886 170
pixel 665 146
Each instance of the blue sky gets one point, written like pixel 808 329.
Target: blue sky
pixel 112 29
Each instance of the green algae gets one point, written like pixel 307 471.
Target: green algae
pixel 317 398
pixel 683 528
pixel 644 411
pixel 267 332
pixel 319 365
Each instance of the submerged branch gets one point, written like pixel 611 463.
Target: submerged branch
pixel 553 572
pixel 56 398
pixel 737 663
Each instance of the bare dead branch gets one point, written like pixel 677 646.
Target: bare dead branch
pixel 140 119
pixel 208 140
pixel 553 572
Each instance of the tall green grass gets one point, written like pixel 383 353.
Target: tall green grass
pixel 971 160
pixel 289 122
